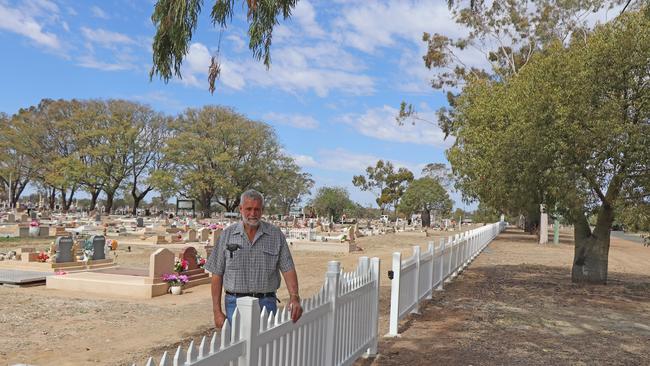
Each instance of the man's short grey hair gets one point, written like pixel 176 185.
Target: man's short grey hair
pixel 251 194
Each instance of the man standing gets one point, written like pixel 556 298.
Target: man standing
pixel 247 261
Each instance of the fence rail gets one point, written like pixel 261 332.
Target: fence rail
pixel 415 278
pixel 338 325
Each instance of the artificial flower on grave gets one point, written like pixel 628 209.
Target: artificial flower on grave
pixel 180 265
pixel 60 273
pixel 34 223
pixel 174 279
pixel 200 261
pixel 42 257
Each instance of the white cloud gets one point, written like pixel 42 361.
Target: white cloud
pixel 89 61
pixel 293 120
pixel 160 98
pixel 237 41
pixel 305 15
pixel 346 161
pixel 290 72
pixel 105 38
pixel 305 161
pixel 380 123
pixel 97 12
pixel 23 21
pixel 371 25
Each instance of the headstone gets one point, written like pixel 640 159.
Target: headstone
pixel 98 217
pixel 160 262
pixel 214 238
pixel 11 218
pixel 140 222
pixel 191 235
pixel 204 234
pixel 64 249
pixel 351 234
pixel 543 225
pixel 189 254
pixel 99 245
pixel 33 215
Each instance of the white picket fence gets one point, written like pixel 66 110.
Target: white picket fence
pixel 415 278
pixel 339 324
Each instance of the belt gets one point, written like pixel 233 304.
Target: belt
pixel 258 295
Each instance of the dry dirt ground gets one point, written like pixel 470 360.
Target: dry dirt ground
pixel 514 305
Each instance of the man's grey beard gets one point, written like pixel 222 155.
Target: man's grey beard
pixel 251 223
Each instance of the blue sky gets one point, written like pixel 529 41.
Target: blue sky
pixel 339 71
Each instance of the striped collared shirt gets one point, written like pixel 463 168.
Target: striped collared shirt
pixel 253 266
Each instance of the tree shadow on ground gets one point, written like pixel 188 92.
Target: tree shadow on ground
pixel 526 315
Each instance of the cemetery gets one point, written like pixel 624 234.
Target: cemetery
pixel 110 266
pixel 458 183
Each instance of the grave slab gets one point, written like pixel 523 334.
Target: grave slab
pixel 22 278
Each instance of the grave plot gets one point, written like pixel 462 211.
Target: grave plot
pixel 131 282
pixel 64 255
pixel 22 278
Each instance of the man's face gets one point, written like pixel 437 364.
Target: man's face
pixel 251 212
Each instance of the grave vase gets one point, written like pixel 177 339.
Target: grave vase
pixel 176 290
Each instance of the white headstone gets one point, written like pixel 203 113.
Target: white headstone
pixel 543 225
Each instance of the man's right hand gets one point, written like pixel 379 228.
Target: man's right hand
pixel 219 319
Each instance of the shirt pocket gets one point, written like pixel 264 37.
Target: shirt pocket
pixel 270 254
pixel 236 261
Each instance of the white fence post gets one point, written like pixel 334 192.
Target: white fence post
pixel 394 296
pixel 374 306
pixel 432 249
pixel 416 254
pixel 249 309
pixel 441 265
pixel 333 277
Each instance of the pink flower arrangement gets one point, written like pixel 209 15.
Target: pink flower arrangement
pixel 42 257
pixel 34 223
pixel 201 262
pixel 181 265
pixel 174 279
pixel 60 273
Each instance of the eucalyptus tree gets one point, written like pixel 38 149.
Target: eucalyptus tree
pixel 176 21
pixel 385 182
pixel 15 170
pixel 46 136
pixel 288 186
pixel 218 154
pixel 426 195
pixel 146 153
pixel 571 129
pixel 110 145
pixel 332 202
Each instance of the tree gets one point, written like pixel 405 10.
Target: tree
pixel 175 21
pixel 569 130
pixel 46 135
pixel 485 214
pixel 146 154
pixel 15 169
pixel 426 195
pixel 218 154
pixel 288 186
pixel 439 172
pixel 332 202
pixel 387 184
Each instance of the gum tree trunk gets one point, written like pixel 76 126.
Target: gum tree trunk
pixel 592 249
pixel 426 218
